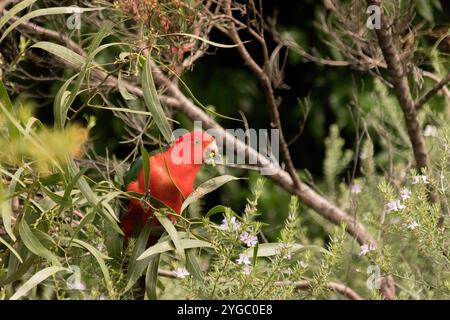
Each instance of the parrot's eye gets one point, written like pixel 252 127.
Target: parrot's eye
pixel 197 141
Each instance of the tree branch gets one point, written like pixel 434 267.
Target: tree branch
pixel 399 80
pixel 432 92
pixel 338 287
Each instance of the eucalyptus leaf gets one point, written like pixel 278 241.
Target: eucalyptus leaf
pixel 153 104
pixel 205 188
pixel 35 280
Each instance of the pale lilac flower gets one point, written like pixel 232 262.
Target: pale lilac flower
pixel 101 246
pixel 243 259
pixel 366 248
pixel 405 194
pixel 413 225
pixel 181 273
pixel 234 224
pixel 430 131
pixel 419 178
pixel 249 239
pixel 355 188
pixel 395 206
pixel 247 270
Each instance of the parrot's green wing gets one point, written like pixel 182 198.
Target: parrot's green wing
pixel 136 166
pixel 133 172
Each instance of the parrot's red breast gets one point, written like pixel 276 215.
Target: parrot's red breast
pixel 171 177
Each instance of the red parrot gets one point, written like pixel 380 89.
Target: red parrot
pixel 171 178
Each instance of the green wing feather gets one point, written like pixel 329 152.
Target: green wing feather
pixel 136 166
pixel 133 172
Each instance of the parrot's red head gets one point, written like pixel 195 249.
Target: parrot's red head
pixel 195 147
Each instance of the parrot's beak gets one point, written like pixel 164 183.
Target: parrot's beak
pixel 211 153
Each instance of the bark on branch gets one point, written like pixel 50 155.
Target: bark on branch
pixel 399 80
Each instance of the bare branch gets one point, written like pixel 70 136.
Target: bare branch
pixel 432 92
pixel 338 287
pixel 399 80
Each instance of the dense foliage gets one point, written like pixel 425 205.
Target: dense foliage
pixel 88 86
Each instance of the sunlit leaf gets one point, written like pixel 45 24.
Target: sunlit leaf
pixel 172 232
pixel 34 245
pixel 11 249
pixel 166 246
pixel 151 277
pixel 205 188
pixel 35 280
pixel 45 12
pixel 153 104
pixel 123 91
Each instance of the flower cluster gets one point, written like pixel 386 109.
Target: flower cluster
pixel 366 248
pixel 181 273
pixel 244 260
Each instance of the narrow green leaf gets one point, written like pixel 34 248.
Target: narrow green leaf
pixel 135 267
pixel 172 232
pixel 61 52
pixel 45 12
pixel 35 280
pixel 123 91
pixel 100 257
pixel 15 10
pixel 5 97
pixel 5 206
pixel 60 104
pixel 152 102
pixel 205 188
pixel 217 209
pixel 151 278
pixel 145 167
pixel 19 272
pixel 90 196
pixel 273 248
pixel 165 246
pixel 34 245
pixel 193 266
pixel 11 249
pixel 212 43
pixel 67 198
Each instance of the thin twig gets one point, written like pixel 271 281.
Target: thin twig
pixel 432 92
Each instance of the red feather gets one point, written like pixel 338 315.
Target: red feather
pixel 170 181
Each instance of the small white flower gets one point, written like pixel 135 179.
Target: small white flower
pixel 303 264
pixel 395 206
pixel 181 273
pixel 243 259
pixel 413 225
pixel 249 239
pixel 284 248
pixel 234 224
pixel 430 131
pixel 247 270
pixel 419 178
pixel 355 188
pixel 366 248
pixel 101 246
pixel 287 256
pixel 405 194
